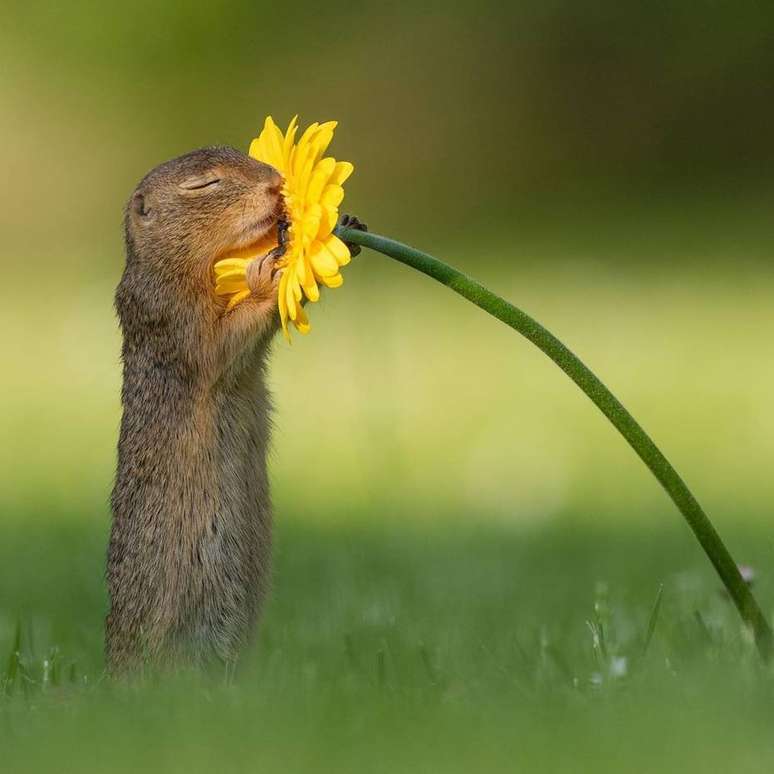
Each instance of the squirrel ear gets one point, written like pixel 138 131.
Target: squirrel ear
pixel 139 206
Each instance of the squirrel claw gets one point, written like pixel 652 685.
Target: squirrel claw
pixel 262 273
pixel 350 221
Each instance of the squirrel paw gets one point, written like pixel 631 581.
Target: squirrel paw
pixel 350 221
pixel 263 274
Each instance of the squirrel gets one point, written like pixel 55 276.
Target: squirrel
pixel 189 553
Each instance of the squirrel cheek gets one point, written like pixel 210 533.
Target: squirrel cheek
pixel 265 203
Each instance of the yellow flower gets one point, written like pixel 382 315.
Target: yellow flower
pixel 312 191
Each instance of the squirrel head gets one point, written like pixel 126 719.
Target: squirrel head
pixel 187 212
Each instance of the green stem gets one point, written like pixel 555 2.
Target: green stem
pixel 607 403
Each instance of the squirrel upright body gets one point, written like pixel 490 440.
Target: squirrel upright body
pixel 189 553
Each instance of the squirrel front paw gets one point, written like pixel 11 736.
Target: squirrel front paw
pixel 350 221
pixel 263 275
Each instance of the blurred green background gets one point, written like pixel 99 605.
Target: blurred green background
pixel 605 165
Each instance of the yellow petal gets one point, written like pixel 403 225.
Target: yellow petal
pixel 339 249
pixel 237 284
pixel 336 281
pixel 341 172
pixel 320 177
pixel 321 142
pixel 302 151
pixel 323 261
pixel 309 132
pixel 311 290
pixel 273 143
pixel 328 221
pixel 251 251
pixel 236 298
pixel 303 270
pixel 312 221
pixel 301 322
pixel 230 275
pixel 229 264
pixel 282 302
pixel 224 288
pixel 293 296
pixel 287 144
pixel 332 195
pixel 304 176
pixel 292 306
pixel 257 150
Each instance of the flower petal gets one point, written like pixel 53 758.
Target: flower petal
pixel 273 143
pixel 230 275
pixel 230 264
pixel 308 134
pixel 303 270
pixel 236 298
pixel 301 322
pixel 224 288
pixel 323 260
pixel 322 140
pixel 341 172
pixel 302 152
pixel 290 300
pixel 332 195
pixel 336 281
pixel 328 221
pixel 311 290
pixel 312 222
pixel 320 177
pixel 287 144
pixel 339 249
pixel 283 304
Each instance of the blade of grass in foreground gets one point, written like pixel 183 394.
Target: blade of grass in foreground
pixel 607 403
pixel 652 620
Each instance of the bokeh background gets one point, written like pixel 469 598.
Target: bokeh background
pixel 605 165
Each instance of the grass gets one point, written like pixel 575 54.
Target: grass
pixel 389 648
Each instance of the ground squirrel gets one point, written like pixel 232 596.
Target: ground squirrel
pixel 189 552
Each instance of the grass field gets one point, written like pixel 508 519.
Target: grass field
pixel 468 559
pixel 386 649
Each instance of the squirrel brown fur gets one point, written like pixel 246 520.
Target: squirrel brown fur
pixel 188 561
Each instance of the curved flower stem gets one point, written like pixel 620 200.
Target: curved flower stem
pixel 607 403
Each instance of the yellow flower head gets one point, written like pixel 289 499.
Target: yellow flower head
pixel 312 191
